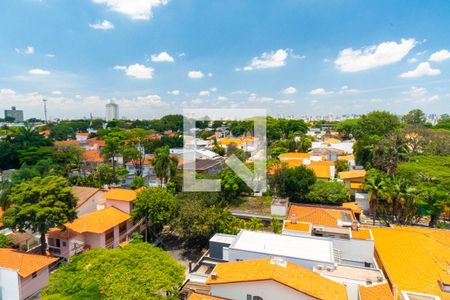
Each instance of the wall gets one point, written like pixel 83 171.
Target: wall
pixel 234 255
pixel 9 284
pixel 30 285
pixel 95 240
pixel 266 289
pixel 91 204
pixel 122 205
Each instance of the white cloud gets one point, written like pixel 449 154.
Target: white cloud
pixel 320 92
pixel 28 50
pixel 7 92
pixel 50 55
pixel 274 59
pixel 415 91
pixel 204 93
pixel 346 89
pixel 135 9
pixel 423 69
pixel 240 92
pixel 39 72
pixel 412 60
pixel 162 57
pixel 213 89
pixel 103 25
pixel 195 74
pixel 289 90
pixel 197 101
pixel 366 58
pixel 440 56
pixel 254 98
pixel 150 100
pixel 56 93
pixel 210 74
pixel 174 92
pixel 222 98
pixel 284 101
pixel 137 71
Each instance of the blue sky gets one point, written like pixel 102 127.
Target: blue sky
pixel 155 57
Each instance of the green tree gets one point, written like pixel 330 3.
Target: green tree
pixel 232 186
pixel 254 224
pixel 156 205
pixel 378 123
pixel 138 182
pixel 389 151
pixel 275 152
pixel 165 165
pixel 136 271
pixel 341 165
pixel 4 241
pixel 234 149
pixel 294 183
pixel 275 225
pixel 111 152
pixel 415 117
pixel 374 184
pixel 39 205
pixel 349 128
pixel 328 192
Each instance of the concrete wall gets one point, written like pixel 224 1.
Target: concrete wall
pixel 29 285
pixel 266 289
pixel 91 204
pixel 9 284
pixel 122 205
pixel 235 255
pixel 95 240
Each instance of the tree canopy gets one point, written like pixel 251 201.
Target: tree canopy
pixel 136 271
pixel 328 192
pixel 294 183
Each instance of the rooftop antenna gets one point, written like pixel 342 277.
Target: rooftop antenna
pixel 45 109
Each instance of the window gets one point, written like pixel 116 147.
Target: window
pixel 64 244
pixel 34 275
pixel 250 297
pixel 58 243
pixel 109 235
pixel 122 228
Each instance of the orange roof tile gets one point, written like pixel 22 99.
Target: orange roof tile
pixel 82 134
pixel 230 141
pixel 294 155
pixel 299 226
pixel 291 275
pixel 353 206
pixel 92 156
pixel 376 292
pixel 357 185
pixel 98 221
pixel 332 141
pixel 121 195
pixel 352 174
pixel 66 143
pixel 362 234
pixel 24 263
pixel 320 215
pixel 83 193
pixel 320 169
pixel 195 296
pixel 414 258
pixel 346 157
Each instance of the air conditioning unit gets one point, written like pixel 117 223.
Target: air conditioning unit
pixel 319 267
pixel 329 268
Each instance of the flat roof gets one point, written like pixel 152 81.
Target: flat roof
pixel 223 238
pixel 284 245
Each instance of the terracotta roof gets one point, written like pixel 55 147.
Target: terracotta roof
pixel 320 215
pixel 352 174
pixel 376 292
pixel 357 185
pixel 121 195
pixel 95 141
pixel 92 156
pixel 291 275
pixel 24 263
pixel 66 143
pixel 299 226
pixel 321 169
pixel 362 234
pixel 294 155
pixel 414 258
pixel 353 206
pixel 83 193
pixel 346 157
pixel 82 134
pixel 98 221
pixel 229 141
pixel 331 141
pixel 195 296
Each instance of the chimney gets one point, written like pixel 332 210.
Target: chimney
pixel 293 219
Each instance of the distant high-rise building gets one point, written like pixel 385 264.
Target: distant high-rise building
pixel 17 115
pixel 112 111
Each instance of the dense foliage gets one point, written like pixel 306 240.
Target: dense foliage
pixel 328 192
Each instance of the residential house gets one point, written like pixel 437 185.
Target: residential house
pixel 22 274
pixel 350 159
pixel 91 159
pixel 81 136
pixel 271 278
pixel 121 199
pixel 415 260
pixel 105 228
pixel 89 199
pixel 205 166
pixel 323 169
pixel 354 181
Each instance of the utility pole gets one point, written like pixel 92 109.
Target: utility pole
pixel 45 110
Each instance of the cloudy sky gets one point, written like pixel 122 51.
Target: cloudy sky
pixel 155 57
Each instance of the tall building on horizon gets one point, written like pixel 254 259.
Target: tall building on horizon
pixel 112 111
pixel 15 114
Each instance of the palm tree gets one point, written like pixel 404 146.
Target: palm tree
pixel 374 184
pixel 111 151
pixel 165 165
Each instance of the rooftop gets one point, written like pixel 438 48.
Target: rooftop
pixel 119 194
pixel 322 169
pixel 376 292
pixel 195 296
pixel 83 193
pixel 415 258
pixel 321 215
pixel 352 174
pixel 96 222
pixel 284 245
pixel 284 272
pixel 24 263
pixel 92 156
pixel 294 155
